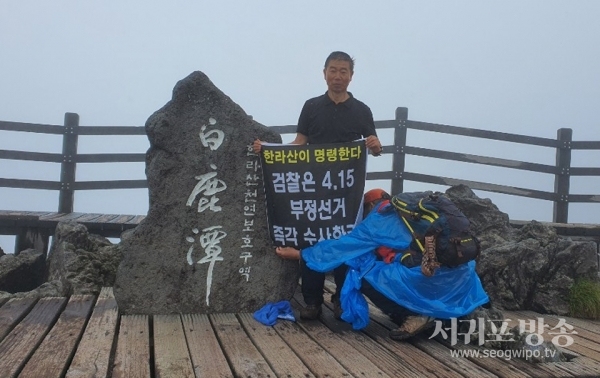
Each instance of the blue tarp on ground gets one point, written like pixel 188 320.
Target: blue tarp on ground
pixel 270 312
pixel 450 292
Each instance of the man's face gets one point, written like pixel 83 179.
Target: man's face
pixel 338 75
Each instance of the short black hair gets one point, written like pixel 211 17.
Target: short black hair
pixel 340 55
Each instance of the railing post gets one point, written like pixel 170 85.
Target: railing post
pixel 67 169
pixel 398 160
pixel 562 178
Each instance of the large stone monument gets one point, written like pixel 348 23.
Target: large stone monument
pixel 204 246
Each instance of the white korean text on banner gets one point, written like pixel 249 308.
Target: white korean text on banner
pixel 313 192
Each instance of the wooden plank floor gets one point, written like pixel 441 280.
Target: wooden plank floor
pixel 84 336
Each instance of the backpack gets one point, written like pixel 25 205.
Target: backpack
pixel 440 230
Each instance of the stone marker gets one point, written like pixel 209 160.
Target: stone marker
pixel 204 246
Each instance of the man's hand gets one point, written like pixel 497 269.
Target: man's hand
pixel 288 253
pixel 257 146
pixel 374 145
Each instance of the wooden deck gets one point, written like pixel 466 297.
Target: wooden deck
pixel 84 336
pixel 110 225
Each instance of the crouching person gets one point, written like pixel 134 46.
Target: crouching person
pixel 382 267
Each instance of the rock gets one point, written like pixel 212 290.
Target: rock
pixel 204 246
pixel 47 289
pixel 531 268
pixel 2 252
pixel 23 272
pixel 536 270
pixel 83 263
pixel 488 223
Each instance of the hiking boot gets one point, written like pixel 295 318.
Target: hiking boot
pixel 337 309
pixel 411 326
pixel 311 312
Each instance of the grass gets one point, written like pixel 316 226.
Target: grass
pixel 584 300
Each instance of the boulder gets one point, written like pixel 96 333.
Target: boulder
pixel 23 272
pixel 488 223
pixel 536 270
pixel 204 246
pixel 47 289
pixel 82 262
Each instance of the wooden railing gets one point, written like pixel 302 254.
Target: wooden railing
pixel 562 170
pixel 70 157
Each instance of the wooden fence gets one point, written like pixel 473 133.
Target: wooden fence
pixel 562 170
pixel 67 185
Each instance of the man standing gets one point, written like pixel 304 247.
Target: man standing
pixel 334 117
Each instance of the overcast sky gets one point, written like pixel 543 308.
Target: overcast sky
pixel 527 67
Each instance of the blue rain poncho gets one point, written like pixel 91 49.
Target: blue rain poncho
pixel 269 313
pixel 450 292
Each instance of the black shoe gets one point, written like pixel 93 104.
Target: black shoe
pixel 311 312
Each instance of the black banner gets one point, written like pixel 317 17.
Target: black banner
pixel 314 192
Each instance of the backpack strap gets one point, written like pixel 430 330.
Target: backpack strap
pixel 412 232
pixel 429 263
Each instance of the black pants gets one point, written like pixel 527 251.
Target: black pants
pixel 313 283
pixel 392 309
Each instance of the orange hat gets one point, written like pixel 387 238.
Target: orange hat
pixel 374 195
